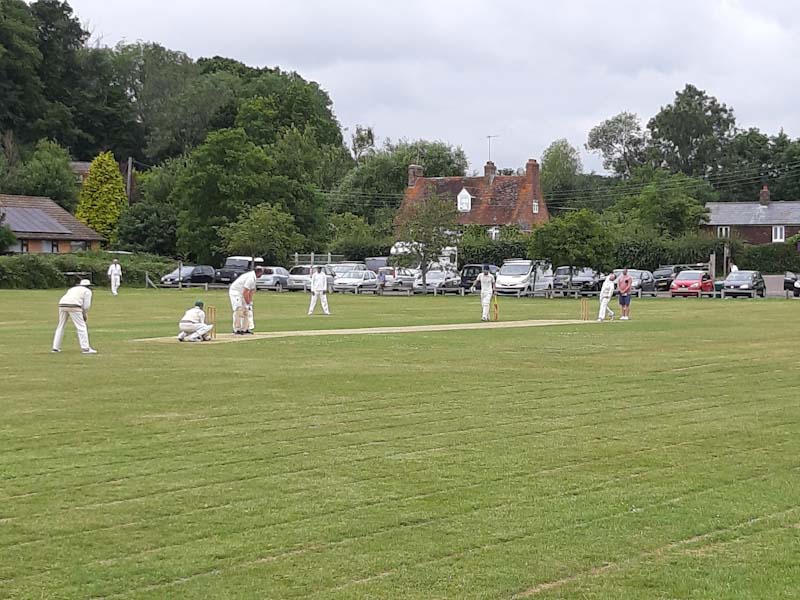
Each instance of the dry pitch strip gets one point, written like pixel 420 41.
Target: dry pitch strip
pixel 224 338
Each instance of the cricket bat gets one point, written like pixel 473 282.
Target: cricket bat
pixel 495 309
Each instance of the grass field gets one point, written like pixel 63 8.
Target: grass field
pixel 658 458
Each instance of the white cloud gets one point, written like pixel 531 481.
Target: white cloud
pixel 459 70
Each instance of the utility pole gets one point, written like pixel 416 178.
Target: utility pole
pixel 129 178
pixel 489 137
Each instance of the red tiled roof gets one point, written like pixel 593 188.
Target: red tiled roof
pixel 57 223
pixel 496 199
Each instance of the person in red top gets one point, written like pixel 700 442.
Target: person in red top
pixel 624 286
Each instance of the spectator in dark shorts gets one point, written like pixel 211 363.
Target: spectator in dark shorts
pixel 624 286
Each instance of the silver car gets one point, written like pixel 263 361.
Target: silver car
pixel 273 278
pixel 356 282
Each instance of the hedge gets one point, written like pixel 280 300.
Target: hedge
pixel 770 258
pixel 41 271
pixel 491 252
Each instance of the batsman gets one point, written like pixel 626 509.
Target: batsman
pixel 487 284
pixel 241 294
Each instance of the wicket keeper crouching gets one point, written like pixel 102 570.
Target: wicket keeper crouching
pixel 193 325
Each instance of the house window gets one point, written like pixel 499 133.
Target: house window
pixel 535 206
pixel 23 246
pixel 724 231
pixel 494 233
pixel 464 201
pixel 54 247
pixel 778 233
pixel 47 246
pixel 78 246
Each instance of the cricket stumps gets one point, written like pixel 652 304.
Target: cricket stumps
pixel 211 319
pixel 584 309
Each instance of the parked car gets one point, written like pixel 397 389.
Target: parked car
pixel 584 279
pixel 469 273
pixel 641 281
pixel 189 274
pixel 235 266
pixel 517 275
pixel 273 278
pixel 791 283
pixel 398 278
pixel 692 283
pixel 345 267
pixel 664 275
pixel 356 282
pixel 438 281
pixel 300 277
pixel 744 283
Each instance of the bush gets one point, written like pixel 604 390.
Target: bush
pixel 770 258
pixel 41 271
pixel 359 248
pixel 650 252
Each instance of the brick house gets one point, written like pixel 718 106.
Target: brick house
pixel 491 201
pixel 761 222
pixel 42 226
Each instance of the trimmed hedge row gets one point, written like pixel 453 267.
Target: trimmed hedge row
pixel 41 271
pixel 770 258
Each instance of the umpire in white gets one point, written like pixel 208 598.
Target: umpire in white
pixel 75 304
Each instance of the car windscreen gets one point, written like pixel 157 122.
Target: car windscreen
pixel 237 263
pixel 688 276
pixel 353 275
pixel 471 271
pixel 662 272
pixel 434 275
pixel 299 271
pixel 515 270
pixel 585 272
pixel 740 276
pixel 562 272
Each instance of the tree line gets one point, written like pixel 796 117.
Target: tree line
pixel 237 159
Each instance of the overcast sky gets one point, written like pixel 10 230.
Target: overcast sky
pixel 527 70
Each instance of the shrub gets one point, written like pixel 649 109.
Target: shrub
pixel 770 258
pixel 41 271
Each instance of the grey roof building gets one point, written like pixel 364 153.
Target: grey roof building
pixel 761 222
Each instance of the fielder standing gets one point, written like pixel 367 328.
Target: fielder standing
pixel 193 325
pixel 114 275
pixel 606 292
pixel 319 290
pixel 241 294
pixel 486 281
pixel 625 287
pixel 75 305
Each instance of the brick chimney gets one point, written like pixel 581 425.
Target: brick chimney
pixel 414 172
pixel 763 196
pixel 532 173
pixel 490 171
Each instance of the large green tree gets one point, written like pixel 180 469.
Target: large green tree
pixel 621 142
pixel 102 197
pixel 561 168
pixel 692 134
pixel 7 237
pixel 427 227
pixel 60 40
pixel 21 95
pixel 576 239
pixel 224 176
pixel 47 173
pixel 262 230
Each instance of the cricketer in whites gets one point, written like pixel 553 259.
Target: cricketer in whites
pixel 75 305
pixel 114 275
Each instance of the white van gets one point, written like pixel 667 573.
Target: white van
pixel 518 275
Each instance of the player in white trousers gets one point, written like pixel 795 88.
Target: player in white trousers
pixel 606 292
pixel 114 275
pixel 75 305
pixel 193 325
pixel 319 290
pixel 487 283
pixel 241 294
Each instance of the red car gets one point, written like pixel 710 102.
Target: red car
pixel 692 283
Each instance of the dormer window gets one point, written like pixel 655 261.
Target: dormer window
pixel 464 201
